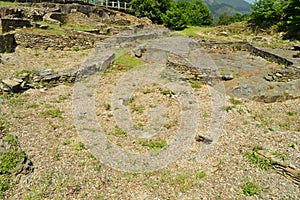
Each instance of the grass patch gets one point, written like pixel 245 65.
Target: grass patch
pixel 251 188
pixel 126 62
pixel 166 92
pixel 235 101
pixel 195 84
pixel 137 108
pixel 257 161
pixel 7 3
pixel 154 145
pixel 228 108
pixel 191 31
pixel 119 132
pixel 10 159
pixel 186 181
pixel 55 113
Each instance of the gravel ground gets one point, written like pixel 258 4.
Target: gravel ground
pixel 64 168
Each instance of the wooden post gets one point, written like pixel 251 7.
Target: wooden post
pixel 118 5
pixel 106 3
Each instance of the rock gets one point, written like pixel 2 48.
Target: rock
pixel 296 47
pixel 2 100
pixel 260 39
pixel 227 76
pixel 223 33
pixel 278 74
pixel 13 85
pixel 138 51
pixel 269 78
pixel 296 55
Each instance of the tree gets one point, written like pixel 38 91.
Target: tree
pixel 225 19
pixel 175 18
pixel 292 11
pixel 196 13
pixel 267 13
pixel 184 13
pixel 153 9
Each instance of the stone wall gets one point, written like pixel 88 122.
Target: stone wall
pixel 56 42
pixel 11 24
pixel 7 43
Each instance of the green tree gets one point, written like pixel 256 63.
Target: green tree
pixel 175 18
pixel 267 13
pixel 224 19
pixel 292 11
pixel 153 9
pixel 196 13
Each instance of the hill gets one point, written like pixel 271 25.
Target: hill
pixel 230 7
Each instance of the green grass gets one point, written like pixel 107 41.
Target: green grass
pixel 191 31
pixel 56 29
pixel 154 145
pixel 10 159
pixel 137 108
pixel 55 113
pixel 251 188
pixel 195 84
pixel 119 132
pixel 167 92
pixel 235 101
pixel 5 183
pixel 185 181
pixel 7 3
pixel 257 161
pixel 127 62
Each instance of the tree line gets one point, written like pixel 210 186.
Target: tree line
pixel 280 15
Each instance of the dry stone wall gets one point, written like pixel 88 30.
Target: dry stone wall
pixel 8 25
pixel 7 43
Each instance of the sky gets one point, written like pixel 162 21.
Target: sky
pixel 250 1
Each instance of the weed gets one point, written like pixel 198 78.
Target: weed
pixel 155 145
pixel 78 146
pixel 16 100
pixel 67 142
pixel 171 124
pixel 168 93
pixel 12 140
pixel 228 108
pixel 257 161
pixel 267 100
pixel 107 106
pixel 148 90
pixel 119 132
pixel 205 115
pixel 4 184
pixel 76 48
pixel 291 113
pixel 55 113
pixel 185 181
pixel 195 84
pixel 138 108
pixel 235 101
pixel 251 188
pixel 34 106
pixel 9 160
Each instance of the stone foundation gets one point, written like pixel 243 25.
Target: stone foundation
pixel 7 43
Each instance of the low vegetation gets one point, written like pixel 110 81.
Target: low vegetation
pixel 251 188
